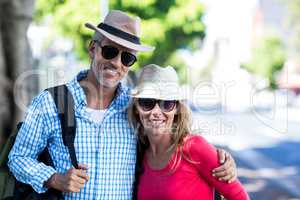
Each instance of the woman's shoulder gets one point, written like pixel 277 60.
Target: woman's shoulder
pixel 192 139
pixel 196 147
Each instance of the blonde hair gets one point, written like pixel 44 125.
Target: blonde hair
pixel 180 128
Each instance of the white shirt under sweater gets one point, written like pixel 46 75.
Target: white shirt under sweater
pixel 95 114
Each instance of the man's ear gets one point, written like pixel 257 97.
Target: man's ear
pixel 92 49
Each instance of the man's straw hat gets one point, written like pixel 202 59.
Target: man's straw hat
pixel 122 29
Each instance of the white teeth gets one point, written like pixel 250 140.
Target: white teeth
pixel 111 71
pixel 157 123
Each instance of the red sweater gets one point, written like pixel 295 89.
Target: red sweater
pixel 191 179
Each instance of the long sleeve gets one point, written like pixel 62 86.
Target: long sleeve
pixel 30 141
pixel 205 157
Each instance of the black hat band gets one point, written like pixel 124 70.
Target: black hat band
pixel 119 33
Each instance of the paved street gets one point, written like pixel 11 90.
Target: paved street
pixel 266 150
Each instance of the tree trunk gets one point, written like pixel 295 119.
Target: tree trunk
pixel 15 59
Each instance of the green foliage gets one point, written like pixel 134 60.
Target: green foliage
pixel 46 7
pixel 268 57
pixel 168 25
pixel 68 18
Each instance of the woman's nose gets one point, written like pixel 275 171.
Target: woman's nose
pixel 156 110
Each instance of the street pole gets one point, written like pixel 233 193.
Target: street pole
pixel 103 8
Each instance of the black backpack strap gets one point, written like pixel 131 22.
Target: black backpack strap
pixel 65 106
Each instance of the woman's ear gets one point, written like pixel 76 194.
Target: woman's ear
pixel 135 110
pixel 177 109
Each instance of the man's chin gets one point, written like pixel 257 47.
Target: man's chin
pixel 109 83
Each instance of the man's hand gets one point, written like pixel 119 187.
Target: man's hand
pixel 227 171
pixel 72 181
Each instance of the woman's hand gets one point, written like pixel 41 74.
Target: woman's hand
pixel 227 171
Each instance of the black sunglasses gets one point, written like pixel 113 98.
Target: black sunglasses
pixel 164 105
pixel 109 52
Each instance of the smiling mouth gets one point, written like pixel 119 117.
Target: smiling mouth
pixel 110 70
pixel 156 123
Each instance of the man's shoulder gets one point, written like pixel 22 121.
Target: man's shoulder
pixel 43 101
pixel 126 91
pixel 123 92
pixel 42 97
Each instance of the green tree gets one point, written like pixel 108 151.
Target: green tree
pixel 268 57
pixel 169 25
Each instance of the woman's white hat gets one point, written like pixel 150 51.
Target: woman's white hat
pixel 158 83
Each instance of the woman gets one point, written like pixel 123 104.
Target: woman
pixel 175 163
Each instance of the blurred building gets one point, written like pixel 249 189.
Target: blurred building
pixel 228 43
pixel 272 17
pixel 233 28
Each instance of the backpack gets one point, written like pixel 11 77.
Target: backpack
pixel 12 189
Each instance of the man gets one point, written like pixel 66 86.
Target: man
pixel 105 144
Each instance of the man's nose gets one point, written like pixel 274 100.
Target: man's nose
pixel 116 61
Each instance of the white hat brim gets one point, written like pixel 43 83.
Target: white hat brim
pixel 155 93
pixel 169 98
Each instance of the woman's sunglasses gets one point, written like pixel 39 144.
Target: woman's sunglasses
pixel 164 105
pixel 109 52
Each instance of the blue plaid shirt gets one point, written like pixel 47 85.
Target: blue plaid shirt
pixel 109 147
